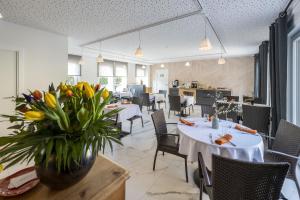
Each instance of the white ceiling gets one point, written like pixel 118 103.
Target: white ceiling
pixel 240 24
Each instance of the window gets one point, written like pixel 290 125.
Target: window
pixel 113 75
pixel 141 75
pixel 293 93
pixel 74 69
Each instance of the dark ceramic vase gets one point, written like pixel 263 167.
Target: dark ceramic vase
pixel 65 178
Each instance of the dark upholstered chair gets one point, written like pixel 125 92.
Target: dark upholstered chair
pixel 239 180
pixel 286 148
pixel 166 142
pixel 207 109
pixel 137 101
pixel 175 105
pixel 247 99
pixel 164 92
pixel 233 98
pixel 230 115
pixel 257 117
pixel 147 102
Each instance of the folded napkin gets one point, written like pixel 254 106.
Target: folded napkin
pixel 224 139
pixel 126 102
pixel 112 106
pixel 21 180
pixel 243 129
pixel 185 122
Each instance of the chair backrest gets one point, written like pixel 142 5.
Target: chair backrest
pixel 256 117
pixel 138 101
pixel 146 99
pixel 159 122
pixel 237 180
pixel 287 139
pixel 231 115
pixel 233 98
pixel 207 109
pixel 164 92
pixel 174 102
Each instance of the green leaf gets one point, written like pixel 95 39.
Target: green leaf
pixel 49 151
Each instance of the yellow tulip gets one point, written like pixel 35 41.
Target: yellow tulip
pixel 50 100
pixel 89 91
pixel 1 168
pixel 63 87
pixel 34 115
pixel 105 94
pixel 79 85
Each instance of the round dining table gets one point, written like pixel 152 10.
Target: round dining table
pixel 201 138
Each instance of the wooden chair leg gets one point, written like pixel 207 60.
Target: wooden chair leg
pixel 155 160
pixel 142 121
pixel 186 170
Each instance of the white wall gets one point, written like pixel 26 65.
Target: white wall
pixel 44 55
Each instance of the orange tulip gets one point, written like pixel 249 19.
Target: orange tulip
pixel 69 93
pixel 37 95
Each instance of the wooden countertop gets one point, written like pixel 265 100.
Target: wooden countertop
pixel 105 181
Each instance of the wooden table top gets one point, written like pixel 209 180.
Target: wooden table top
pixel 98 184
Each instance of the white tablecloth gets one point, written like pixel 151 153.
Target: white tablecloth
pixel 196 139
pixel 158 97
pixel 190 100
pixel 129 110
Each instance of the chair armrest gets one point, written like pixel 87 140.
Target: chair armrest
pixel 266 136
pixel 282 154
pixel 172 123
pixel 203 171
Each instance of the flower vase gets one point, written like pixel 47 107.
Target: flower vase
pixel 215 123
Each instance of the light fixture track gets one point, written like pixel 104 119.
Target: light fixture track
pixel 197 12
pixel 212 27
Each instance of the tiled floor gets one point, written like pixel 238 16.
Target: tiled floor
pixel 167 182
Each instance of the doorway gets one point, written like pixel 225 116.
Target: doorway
pixel 161 80
pixel 8 86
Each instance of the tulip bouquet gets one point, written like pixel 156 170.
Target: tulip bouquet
pixel 65 121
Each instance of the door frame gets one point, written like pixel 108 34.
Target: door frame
pixel 155 73
pixel 19 67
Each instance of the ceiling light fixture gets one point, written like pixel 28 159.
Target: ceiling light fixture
pixel 221 60
pixel 1 16
pixel 205 44
pixel 81 61
pixel 162 65
pixel 138 52
pixel 144 67
pixel 187 64
pixel 100 59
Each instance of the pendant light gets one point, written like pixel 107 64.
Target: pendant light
pixel 221 60
pixel 205 44
pixel 138 52
pixel 99 59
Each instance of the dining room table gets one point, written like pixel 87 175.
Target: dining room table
pixel 127 111
pixel 201 137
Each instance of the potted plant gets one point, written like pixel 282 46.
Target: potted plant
pixel 62 130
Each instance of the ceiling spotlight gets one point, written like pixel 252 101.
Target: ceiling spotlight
pixel 187 64
pixel 99 59
pixel 221 60
pixel 138 52
pixel 1 16
pixel 144 67
pixel 205 44
pixel 162 65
